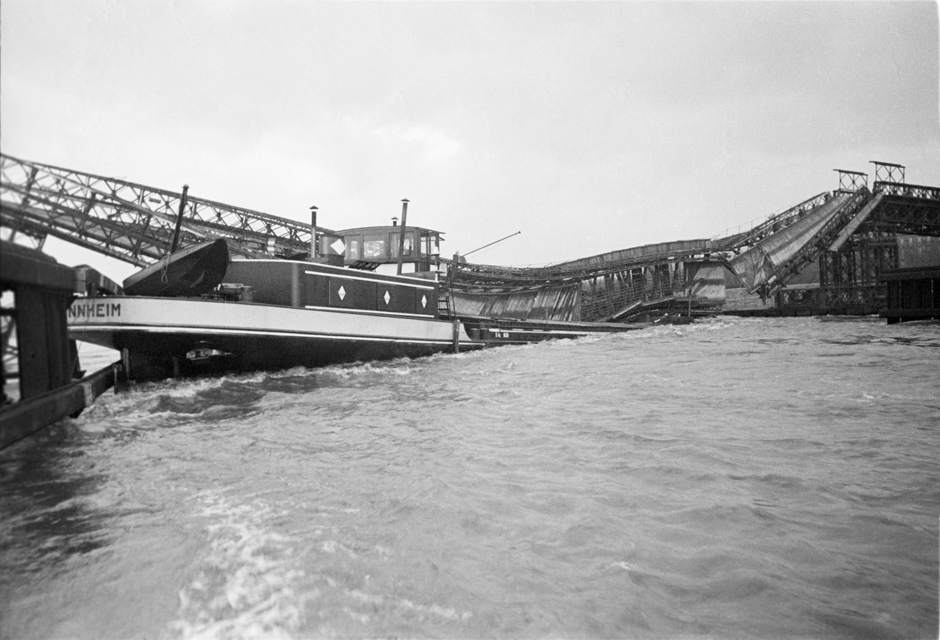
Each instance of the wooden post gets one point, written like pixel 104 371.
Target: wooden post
pixel 179 219
pixel 452 304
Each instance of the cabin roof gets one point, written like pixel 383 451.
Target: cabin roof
pixel 385 229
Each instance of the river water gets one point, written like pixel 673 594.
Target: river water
pixel 751 478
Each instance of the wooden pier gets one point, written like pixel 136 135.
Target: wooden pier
pixel 51 385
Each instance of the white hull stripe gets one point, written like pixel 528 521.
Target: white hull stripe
pixel 378 313
pixel 373 280
pixel 338 269
pixel 551 331
pixel 128 328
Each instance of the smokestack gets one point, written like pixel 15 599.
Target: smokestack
pixel 401 234
pixel 313 232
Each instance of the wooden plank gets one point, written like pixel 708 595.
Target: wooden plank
pixel 31 332
pixel 26 417
pixel 22 266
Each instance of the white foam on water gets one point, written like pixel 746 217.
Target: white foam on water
pixel 399 367
pixel 361 618
pixel 445 613
pixel 401 606
pixel 332 546
pixel 244 585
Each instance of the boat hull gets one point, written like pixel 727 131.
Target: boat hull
pixel 256 336
pixel 164 337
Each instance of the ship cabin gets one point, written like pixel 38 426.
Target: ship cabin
pixel 377 248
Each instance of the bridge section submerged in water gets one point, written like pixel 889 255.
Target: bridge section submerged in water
pixel 824 255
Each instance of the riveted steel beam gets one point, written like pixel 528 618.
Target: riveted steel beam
pixel 129 221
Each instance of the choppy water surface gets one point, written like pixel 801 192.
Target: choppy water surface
pixel 732 478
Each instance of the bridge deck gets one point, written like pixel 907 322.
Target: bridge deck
pixel 135 223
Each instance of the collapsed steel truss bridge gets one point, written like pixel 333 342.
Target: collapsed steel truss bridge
pixel 851 233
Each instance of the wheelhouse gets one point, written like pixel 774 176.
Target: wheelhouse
pixel 378 248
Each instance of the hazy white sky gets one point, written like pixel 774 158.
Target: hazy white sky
pixel 588 126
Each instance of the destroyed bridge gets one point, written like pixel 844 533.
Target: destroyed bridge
pixel 826 255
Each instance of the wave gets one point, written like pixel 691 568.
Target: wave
pixel 244 584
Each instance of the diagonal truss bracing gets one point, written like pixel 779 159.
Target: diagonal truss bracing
pixel 129 221
pixel 471 275
pixel 906 208
pixel 773 224
pixel 136 224
pixel 610 284
pixel 615 283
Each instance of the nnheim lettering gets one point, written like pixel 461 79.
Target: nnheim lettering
pixel 95 310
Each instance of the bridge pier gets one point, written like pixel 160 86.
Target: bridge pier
pixel 913 294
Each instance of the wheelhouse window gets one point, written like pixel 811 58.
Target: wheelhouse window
pixel 395 238
pixel 430 245
pixel 374 248
pixel 353 248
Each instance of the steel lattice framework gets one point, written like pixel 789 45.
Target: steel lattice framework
pixel 849 277
pixel 609 283
pixel 129 221
pixel 136 223
pixel 906 208
pixel 471 275
pixel 618 281
pixel 810 251
pixel 888 171
pixel 742 241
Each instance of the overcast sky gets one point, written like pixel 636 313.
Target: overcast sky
pixel 587 126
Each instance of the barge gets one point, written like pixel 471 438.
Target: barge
pixel 342 305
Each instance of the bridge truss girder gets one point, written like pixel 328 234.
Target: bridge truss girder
pixel 811 250
pixel 129 221
pixel 849 278
pixel 489 276
pixel 618 295
pixel 609 291
pixel 741 241
pixel 906 209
